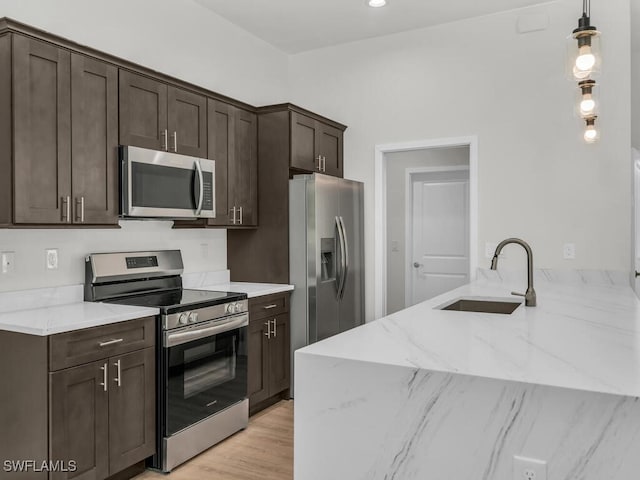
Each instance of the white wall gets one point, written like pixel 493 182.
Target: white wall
pixel 179 38
pixel 202 250
pixel 537 178
pixel 397 165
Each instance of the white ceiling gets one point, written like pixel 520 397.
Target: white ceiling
pixel 296 26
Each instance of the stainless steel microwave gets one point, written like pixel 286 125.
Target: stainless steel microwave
pixel 156 184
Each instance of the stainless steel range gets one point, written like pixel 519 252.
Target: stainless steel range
pixel 201 348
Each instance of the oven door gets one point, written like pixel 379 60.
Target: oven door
pixel 205 370
pixel 162 184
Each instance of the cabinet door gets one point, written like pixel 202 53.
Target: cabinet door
pixel 132 408
pixel 330 146
pixel 258 362
pixel 79 417
pixel 143 112
pixel 42 132
pixel 221 142
pixel 94 144
pixel 303 143
pixel 279 355
pixel 187 122
pixel 243 171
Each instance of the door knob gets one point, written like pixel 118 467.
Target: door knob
pixel 417 265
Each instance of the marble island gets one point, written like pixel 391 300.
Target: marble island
pixel 427 393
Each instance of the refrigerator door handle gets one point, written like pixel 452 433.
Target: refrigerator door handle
pixel 341 270
pixel 345 249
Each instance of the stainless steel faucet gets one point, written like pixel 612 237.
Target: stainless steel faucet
pixel 530 296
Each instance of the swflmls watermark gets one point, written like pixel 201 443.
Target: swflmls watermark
pixel 14 466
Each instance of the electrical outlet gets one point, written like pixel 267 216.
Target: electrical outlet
pixel 8 260
pixel 490 249
pixel 529 468
pixel 569 251
pixel 51 258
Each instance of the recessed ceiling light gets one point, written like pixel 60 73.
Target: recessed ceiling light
pixel 376 3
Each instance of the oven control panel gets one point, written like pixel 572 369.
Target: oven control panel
pixel 204 314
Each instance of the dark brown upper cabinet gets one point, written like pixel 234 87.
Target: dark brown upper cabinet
pixel 42 132
pixel 94 134
pixel 65 137
pixel 233 144
pixel 161 117
pixel 316 146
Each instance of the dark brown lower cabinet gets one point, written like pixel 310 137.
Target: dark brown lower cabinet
pixel 79 400
pixel 269 368
pixel 103 415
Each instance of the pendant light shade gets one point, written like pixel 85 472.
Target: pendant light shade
pixel 584 59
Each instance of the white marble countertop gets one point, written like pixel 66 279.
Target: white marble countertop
pixel 65 318
pixel 219 281
pixel 580 336
pixel 251 289
pixel 48 311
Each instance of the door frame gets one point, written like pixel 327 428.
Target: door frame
pixel 380 207
pixel 408 213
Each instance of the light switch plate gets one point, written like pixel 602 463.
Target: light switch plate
pixel 8 260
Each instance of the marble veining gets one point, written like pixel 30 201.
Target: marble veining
pixel 371 421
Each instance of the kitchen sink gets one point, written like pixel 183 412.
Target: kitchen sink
pixel 483 306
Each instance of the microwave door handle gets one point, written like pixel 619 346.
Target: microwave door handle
pixel 201 188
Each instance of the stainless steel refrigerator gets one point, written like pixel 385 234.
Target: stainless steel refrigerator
pixel 326 257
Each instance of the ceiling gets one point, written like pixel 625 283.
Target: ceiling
pixel 295 26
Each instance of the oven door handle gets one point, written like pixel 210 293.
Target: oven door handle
pixel 172 339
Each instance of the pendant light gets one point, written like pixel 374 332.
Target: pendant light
pixel 584 62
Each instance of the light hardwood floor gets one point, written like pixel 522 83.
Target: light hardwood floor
pixel 264 451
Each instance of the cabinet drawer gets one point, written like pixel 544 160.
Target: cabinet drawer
pixel 268 306
pixel 87 345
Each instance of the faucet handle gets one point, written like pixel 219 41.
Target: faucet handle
pixel 518 294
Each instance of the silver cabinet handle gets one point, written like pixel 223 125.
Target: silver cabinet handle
pixel 269 307
pixel 319 158
pixel 175 142
pixel 201 182
pixel 66 209
pixel 234 215
pixel 240 215
pixel 104 376
pixel 275 328
pixel 110 342
pixel 164 135
pixel 268 334
pixel 118 378
pixel 80 209
pixel 324 163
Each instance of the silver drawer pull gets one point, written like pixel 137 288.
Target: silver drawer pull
pixel 111 342
pixel 268 325
pixel 275 328
pixel 269 307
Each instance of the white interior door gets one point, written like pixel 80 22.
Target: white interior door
pixel 636 241
pixel 439 233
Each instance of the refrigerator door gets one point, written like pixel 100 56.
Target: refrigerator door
pixel 323 204
pixel 351 215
